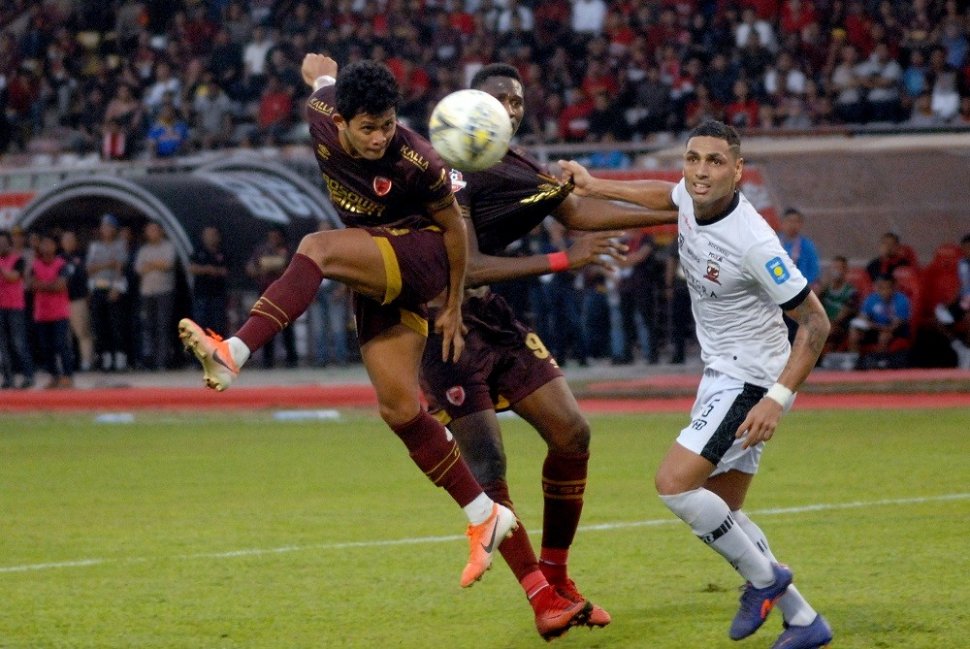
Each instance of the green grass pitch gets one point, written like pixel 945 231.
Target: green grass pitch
pixel 240 531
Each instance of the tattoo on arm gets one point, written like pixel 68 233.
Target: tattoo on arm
pixel 815 325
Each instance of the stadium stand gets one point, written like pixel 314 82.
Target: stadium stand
pixel 61 60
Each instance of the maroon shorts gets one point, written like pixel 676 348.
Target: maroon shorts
pixel 416 264
pixel 503 362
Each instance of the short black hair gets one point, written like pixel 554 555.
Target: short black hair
pixel 366 87
pixel 494 70
pixel 720 130
pixel 793 210
pixel 886 277
pixel 891 235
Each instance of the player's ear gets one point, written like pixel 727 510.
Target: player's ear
pixel 339 120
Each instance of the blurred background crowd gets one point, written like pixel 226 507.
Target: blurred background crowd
pixel 151 79
pixel 140 78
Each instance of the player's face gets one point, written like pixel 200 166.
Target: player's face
pixel 366 135
pixel 508 91
pixel 712 170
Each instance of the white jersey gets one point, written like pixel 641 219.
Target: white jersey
pixel 739 275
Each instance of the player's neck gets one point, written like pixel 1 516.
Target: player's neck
pixel 717 211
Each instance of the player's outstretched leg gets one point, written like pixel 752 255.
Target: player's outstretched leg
pixel 816 635
pixel 219 367
pixel 483 542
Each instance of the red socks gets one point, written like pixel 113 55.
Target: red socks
pixel 438 457
pixel 282 303
pixel 563 486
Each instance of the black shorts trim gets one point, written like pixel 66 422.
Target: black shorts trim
pixel 723 437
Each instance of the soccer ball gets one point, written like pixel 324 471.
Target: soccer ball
pixel 470 130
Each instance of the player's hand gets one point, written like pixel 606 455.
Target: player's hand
pixel 452 329
pixel 599 248
pixel 576 173
pixel 761 422
pixel 317 65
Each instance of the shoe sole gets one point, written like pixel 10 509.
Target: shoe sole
pixel 580 619
pixel 190 335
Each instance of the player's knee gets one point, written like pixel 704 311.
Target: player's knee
pixel 666 483
pixel 397 412
pixel 315 246
pixel 571 438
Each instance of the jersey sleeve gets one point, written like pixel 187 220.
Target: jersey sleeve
pixel 679 193
pixel 771 267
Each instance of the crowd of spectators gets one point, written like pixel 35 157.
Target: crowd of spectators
pixel 162 78
pixel 107 300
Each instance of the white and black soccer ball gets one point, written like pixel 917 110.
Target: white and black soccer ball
pixel 470 130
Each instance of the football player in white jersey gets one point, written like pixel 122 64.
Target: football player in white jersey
pixel 741 281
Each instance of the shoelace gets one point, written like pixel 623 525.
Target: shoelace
pixel 213 335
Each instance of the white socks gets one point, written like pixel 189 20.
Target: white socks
pixel 240 352
pixel 796 610
pixel 479 509
pixel 710 519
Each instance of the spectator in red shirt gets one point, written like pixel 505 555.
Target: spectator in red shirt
pixel 743 111
pixel 574 119
pixel 795 15
pixel 275 110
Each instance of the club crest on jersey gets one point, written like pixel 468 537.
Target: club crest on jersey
pixel 713 271
pixel 455 395
pixel 382 185
pixel 457 181
pixel 778 271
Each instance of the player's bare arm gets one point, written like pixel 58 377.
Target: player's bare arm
pixel 586 213
pixel 652 194
pixel 599 248
pixel 813 330
pixel 449 323
pixel 317 65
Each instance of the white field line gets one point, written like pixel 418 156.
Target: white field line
pixel 381 543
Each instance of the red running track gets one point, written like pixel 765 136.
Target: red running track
pixel 362 396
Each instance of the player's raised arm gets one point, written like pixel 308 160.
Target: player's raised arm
pixel 317 70
pixel 449 322
pixel 651 194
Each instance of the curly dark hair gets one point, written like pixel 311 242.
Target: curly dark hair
pixel 720 130
pixel 494 70
pixel 366 87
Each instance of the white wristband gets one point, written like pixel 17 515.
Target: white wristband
pixel 781 395
pixel 323 81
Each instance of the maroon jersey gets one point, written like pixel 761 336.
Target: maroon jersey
pixel 507 200
pixel 399 190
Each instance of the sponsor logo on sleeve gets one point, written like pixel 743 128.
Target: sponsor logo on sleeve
pixel 778 271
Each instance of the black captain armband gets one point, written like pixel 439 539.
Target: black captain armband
pixel 798 299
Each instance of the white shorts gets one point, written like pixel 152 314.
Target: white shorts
pixel 722 404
